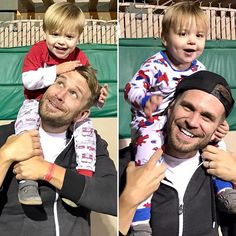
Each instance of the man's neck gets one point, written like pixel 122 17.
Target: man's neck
pixel 53 130
pixel 177 154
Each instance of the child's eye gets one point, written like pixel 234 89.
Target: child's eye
pixel 70 36
pixel 54 34
pixel 200 35
pixel 182 33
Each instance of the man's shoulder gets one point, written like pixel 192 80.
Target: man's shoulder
pixel 5 131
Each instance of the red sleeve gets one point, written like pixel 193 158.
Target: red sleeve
pixel 33 59
pixel 80 55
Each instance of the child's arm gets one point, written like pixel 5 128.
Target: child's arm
pixel 67 66
pixel 220 132
pixel 137 91
pixel 37 75
pixel 152 104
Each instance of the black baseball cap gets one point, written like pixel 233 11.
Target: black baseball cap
pixel 207 81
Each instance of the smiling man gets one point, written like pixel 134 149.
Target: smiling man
pixel 184 204
pixel 65 101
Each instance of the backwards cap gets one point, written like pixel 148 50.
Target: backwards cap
pixel 207 81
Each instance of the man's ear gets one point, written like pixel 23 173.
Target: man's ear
pixel 82 116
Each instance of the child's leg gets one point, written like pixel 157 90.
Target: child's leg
pixel 150 138
pixel 225 193
pixel 85 149
pixel 28 118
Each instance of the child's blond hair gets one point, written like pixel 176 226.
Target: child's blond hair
pixel 180 15
pixel 64 16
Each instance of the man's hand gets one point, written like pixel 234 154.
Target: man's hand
pixel 220 163
pixel 221 132
pixel 142 181
pixel 21 147
pixel 151 105
pixel 34 168
pixel 67 66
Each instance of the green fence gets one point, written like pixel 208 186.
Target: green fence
pixel 102 57
pixel 219 56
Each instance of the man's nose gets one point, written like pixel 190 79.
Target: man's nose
pixel 193 120
pixel 61 94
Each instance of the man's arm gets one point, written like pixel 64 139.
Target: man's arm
pixel 141 182
pixel 97 193
pixel 17 148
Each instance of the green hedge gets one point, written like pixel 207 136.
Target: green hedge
pixel 219 56
pixel 102 57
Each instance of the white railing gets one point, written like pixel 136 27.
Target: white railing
pixel 27 32
pixel 145 21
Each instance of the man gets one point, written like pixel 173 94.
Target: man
pixel 57 178
pixel 184 204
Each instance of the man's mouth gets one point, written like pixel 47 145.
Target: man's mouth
pixel 187 133
pixel 54 105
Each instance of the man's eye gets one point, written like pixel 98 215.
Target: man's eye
pixel 59 83
pixel 186 108
pixel 73 94
pixel 55 34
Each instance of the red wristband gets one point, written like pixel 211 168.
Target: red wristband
pixel 48 176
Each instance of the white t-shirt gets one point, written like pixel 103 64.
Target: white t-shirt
pixel 179 171
pixel 52 144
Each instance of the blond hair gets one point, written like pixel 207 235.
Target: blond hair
pixel 63 16
pixel 180 15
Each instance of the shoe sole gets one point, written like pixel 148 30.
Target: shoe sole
pixel 30 202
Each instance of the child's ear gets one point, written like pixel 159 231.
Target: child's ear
pixel 82 116
pixel 163 40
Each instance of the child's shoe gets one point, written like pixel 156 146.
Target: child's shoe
pixel 28 193
pixel 226 201
pixel 69 202
pixel 141 230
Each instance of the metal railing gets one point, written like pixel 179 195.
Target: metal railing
pixel 27 32
pixel 144 20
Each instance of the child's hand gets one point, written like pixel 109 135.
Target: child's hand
pixel 220 132
pixel 103 96
pixel 152 104
pixel 67 66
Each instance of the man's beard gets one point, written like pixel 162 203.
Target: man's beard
pixel 183 147
pixel 52 119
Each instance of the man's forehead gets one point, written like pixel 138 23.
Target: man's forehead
pixel 71 75
pixel 203 100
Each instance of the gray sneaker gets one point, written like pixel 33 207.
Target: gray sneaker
pixel 28 193
pixel 226 201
